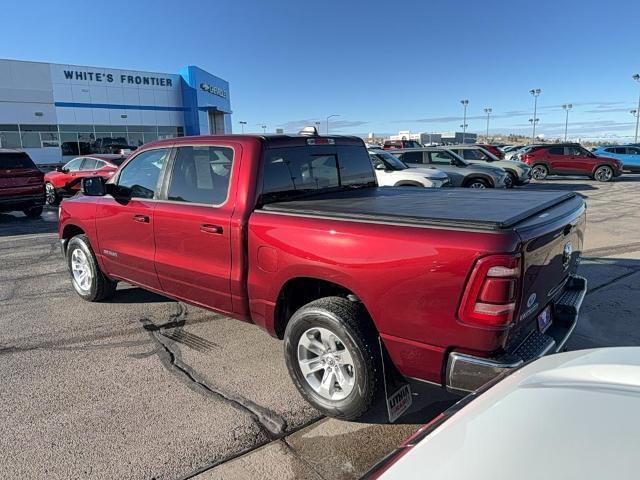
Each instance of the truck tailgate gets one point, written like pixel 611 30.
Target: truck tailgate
pixel 552 244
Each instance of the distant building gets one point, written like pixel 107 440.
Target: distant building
pixel 458 137
pixel 422 137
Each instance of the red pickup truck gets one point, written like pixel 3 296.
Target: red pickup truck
pixel 291 232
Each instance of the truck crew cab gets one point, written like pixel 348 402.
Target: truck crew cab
pixel 291 232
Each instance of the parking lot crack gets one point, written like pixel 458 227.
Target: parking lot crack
pixel 273 424
pixel 612 281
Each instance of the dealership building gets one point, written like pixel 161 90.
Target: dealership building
pixel 55 112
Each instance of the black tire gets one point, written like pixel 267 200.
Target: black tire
pixel 539 172
pixel 52 196
pixel 477 183
pixel 100 287
pixel 33 212
pixel 510 180
pixel 604 173
pixel 351 324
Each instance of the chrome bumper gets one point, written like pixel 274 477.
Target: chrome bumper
pixel 466 373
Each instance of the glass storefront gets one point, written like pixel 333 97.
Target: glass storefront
pixel 84 139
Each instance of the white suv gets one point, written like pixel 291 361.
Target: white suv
pixel 392 172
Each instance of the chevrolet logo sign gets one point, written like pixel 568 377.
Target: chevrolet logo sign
pixel 213 89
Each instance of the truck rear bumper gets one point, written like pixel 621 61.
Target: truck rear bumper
pixel 466 373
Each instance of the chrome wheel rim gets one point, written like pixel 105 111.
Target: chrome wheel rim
pixel 326 363
pixel 81 270
pixel 604 174
pixel 51 193
pixel 539 173
pixel 477 185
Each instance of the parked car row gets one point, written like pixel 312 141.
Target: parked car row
pixel 466 166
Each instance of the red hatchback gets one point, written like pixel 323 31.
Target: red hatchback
pixel 569 159
pixel 65 181
pixel 21 184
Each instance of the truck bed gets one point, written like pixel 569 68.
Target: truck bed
pixel 453 208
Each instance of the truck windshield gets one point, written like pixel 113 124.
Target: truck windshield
pixel 291 172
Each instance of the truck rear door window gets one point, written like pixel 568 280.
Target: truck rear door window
pixel 296 170
pixel 201 175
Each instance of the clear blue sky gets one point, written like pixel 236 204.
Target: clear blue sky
pixel 383 66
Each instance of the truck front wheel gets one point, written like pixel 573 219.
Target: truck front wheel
pixel 86 277
pixel 333 357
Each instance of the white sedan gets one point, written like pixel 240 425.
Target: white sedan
pixel 573 415
pixel 392 172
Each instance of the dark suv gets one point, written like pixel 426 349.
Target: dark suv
pixel 568 159
pixel 21 184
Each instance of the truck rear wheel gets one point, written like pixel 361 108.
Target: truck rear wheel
pixel 333 357
pixel 88 280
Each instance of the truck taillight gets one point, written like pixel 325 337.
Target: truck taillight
pixel 491 293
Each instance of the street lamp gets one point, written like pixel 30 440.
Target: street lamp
pixel 263 127
pixel 636 77
pixel 464 103
pixel 242 124
pixel 566 107
pixel 488 111
pixel 318 127
pixel 330 116
pixel 535 92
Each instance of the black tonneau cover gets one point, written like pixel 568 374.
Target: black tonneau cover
pixel 444 207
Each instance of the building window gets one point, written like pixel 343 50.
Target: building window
pixel 9 136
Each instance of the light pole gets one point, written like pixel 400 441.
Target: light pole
pixel 566 107
pixel 533 122
pixel 488 111
pixel 330 116
pixel 318 127
pixel 636 77
pixel 242 124
pixel 636 113
pixel 464 103
pixel 263 127
pixel 535 92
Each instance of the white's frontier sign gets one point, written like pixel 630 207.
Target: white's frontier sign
pixel 118 78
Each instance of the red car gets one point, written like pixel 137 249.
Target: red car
pixel 391 144
pixel 65 181
pixel 21 184
pixel 492 149
pixel 569 159
pixel 286 231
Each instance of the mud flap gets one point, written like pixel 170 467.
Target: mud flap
pixel 397 392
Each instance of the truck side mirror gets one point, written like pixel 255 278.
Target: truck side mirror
pixel 380 166
pixel 94 187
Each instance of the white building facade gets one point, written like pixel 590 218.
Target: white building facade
pixel 55 112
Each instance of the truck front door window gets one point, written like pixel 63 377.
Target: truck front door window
pixel 140 175
pixel 201 175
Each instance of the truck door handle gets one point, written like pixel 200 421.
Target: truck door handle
pixel 141 218
pixel 208 228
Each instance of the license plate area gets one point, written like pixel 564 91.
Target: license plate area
pixel 545 319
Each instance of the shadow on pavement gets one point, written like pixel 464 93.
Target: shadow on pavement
pixel 15 223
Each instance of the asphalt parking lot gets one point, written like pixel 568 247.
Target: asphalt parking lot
pixel 146 387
